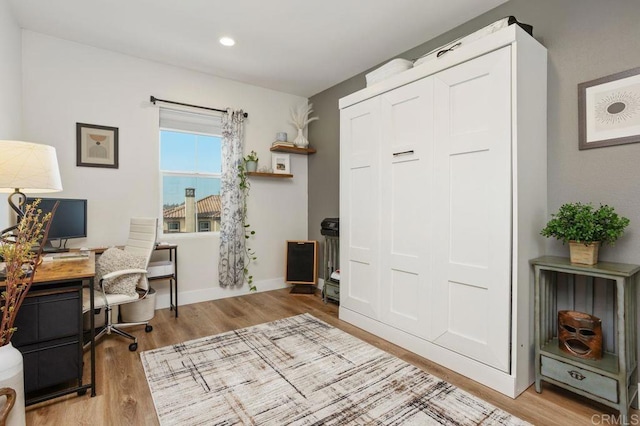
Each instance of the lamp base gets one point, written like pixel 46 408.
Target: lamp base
pixel 18 208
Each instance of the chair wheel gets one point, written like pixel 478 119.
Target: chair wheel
pixel 148 328
pixel 133 347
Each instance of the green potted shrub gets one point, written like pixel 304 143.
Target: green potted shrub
pixel 251 162
pixel 585 228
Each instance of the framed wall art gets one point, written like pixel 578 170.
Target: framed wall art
pixel 280 163
pixel 609 110
pixel 96 146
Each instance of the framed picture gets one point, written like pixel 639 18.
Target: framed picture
pixel 280 163
pixel 96 146
pixel 609 110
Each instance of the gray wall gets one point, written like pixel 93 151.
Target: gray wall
pixel 586 39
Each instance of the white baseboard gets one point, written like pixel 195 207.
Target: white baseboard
pixel 214 293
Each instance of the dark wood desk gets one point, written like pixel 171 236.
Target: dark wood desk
pixel 50 334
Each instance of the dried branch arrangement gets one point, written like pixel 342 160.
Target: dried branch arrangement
pixel 21 251
pixel 300 116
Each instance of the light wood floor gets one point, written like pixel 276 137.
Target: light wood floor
pixel 123 397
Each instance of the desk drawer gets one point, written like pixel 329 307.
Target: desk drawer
pixel 588 381
pixel 51 363
pixel 47 317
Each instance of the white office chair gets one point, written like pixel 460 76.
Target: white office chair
pixel 141 242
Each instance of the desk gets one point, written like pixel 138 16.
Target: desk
pixel 50 334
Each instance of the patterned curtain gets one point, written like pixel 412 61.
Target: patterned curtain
pixel 232 240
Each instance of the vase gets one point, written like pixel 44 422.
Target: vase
pixel 300 141
pixel 12 376
pixel 252 166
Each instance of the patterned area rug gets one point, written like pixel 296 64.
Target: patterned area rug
pixel 302 371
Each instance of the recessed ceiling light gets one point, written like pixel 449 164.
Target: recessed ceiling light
pixel 227 41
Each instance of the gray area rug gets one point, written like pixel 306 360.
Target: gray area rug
pixel 302 371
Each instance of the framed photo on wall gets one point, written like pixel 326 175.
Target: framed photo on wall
pixel 280 163
pixel 609 110
pixel 96 146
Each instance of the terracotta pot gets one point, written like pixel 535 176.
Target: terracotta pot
pixel 584 254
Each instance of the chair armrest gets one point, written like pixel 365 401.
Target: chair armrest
pixel 115 274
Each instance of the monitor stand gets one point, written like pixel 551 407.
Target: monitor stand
pixel 49 248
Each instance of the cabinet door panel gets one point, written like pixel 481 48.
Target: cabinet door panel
pixel 472 226
pixel 406 171
pixel 360 207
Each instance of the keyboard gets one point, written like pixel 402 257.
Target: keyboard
pixel 69 256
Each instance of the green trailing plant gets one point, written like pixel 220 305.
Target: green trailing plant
pixel 585 224
pixel 21 261
pixel 249 253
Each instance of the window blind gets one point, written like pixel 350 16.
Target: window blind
pixel 186 121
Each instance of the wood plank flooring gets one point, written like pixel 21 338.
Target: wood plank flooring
pixel 123 397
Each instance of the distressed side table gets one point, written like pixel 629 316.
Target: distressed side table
pixel 612 380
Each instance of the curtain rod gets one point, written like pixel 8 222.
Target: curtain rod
pixel 153 100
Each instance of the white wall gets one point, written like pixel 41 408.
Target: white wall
pixel 65 83
pixel 10 98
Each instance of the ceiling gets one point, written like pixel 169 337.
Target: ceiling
pixel 295 46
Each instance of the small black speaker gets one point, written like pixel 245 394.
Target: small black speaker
pixel 302 262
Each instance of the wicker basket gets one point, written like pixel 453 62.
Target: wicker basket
pixel 140 311
pixel 584 254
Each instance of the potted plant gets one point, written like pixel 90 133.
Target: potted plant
pixel 585 228
pixel 251 162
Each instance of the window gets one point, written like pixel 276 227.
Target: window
pixel 190 168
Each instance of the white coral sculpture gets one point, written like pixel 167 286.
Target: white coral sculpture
pixel 300 116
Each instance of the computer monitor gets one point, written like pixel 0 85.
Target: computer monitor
pixel 69 221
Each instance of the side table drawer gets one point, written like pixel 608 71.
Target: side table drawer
pixel 332 290
pixel 588 381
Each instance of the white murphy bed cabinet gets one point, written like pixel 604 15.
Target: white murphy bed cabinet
pixel 443 195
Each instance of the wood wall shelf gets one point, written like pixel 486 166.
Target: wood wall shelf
pixel 271 175
pixel 293 150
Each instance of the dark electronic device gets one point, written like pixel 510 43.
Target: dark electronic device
pixel 302 265
pixel 330 226
pixel 69 221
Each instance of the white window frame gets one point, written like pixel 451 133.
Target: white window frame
pixel 163 173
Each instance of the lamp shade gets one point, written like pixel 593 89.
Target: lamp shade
pixel 29 167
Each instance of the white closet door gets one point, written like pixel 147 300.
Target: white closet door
pixel 472 223
pixel 406 169
pixel 360 207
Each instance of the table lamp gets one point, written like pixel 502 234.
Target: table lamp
pixel 27 167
